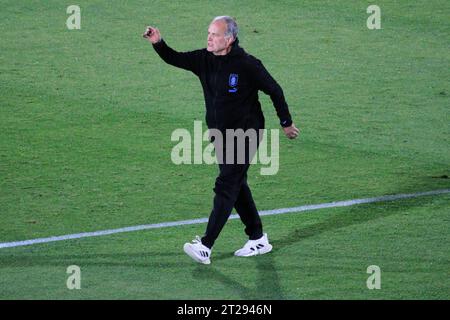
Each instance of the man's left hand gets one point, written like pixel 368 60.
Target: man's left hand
pixel 291 132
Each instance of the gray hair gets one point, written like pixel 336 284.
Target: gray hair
pixel 232 27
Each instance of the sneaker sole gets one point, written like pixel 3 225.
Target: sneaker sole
pixel 190 253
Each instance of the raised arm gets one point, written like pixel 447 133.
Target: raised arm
pixel 185 60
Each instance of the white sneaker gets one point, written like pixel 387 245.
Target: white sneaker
pixel 255 247
pixel 197 251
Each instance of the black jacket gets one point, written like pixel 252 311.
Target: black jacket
pixel 230 86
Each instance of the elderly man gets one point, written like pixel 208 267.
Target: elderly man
pixel 231 79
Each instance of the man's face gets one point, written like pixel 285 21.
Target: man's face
pixel 217 42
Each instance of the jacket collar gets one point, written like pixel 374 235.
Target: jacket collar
pixel 236 50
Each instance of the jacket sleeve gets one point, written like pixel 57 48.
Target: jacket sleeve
pixel 269 86
pixel 185 60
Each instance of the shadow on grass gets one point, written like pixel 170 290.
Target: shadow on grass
pixel 267 282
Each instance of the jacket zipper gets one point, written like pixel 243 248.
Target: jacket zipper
pixel 216 93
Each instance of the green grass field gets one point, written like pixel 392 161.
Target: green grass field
pixel 86 118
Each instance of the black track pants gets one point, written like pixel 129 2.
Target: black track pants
pixel 231 190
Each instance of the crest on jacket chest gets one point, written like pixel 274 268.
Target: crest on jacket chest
pixel 233 82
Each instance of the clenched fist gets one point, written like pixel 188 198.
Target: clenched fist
pixel 291 132
pixel 152 34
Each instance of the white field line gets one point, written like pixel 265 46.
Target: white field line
pixel 304 208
